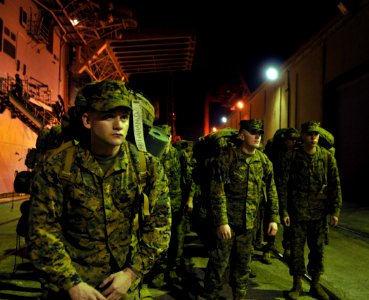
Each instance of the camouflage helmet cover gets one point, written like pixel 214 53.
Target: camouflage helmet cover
pixel 310 126
pixel 291 133
pixel 104 96
pixel 252 126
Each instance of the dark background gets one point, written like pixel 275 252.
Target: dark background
pixel 234 41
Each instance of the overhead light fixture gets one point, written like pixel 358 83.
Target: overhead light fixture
pixel 74 22
pixel 271 73
pixel 343 8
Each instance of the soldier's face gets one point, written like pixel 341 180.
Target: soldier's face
pixel 310 138
pixel 108 129
pixel 290 143
pixel 250 139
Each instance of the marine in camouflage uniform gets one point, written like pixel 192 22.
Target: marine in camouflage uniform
pixel 82 234
pixel 241 176
pixel 284 139
pixel 165 270
pixel 310 191
pixel 205 153
pixel 188 186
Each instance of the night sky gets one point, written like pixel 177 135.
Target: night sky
pixel 235 40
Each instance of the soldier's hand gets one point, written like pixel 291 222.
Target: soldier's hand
pixel 286 221
pixel 334 221
pixel 272 228
pixel 189 205
pixel 225 232
pixel 120 282
pixel 83 291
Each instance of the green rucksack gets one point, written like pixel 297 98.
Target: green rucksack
pixel 208 148
pixel 326 140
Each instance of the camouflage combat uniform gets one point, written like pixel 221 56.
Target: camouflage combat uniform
pixel 188 186
pixel 169 261
pixel 310 190
pixel 276 149
pixel 236 191
pixel 81 227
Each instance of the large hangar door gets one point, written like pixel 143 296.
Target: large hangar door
pixel 346 114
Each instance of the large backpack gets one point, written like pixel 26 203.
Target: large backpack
pixel 326 140
pixel 208 148
pixel 205 152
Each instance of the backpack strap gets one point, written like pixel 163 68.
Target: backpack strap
pixel 65 173
pixel 70 150
pixel 325 166
pixel 139 160
pixel 263 159
pixel 142 174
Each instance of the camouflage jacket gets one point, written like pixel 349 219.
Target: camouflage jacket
pixel 238 185
pixel 172 168
pixel 276 156
pixel 81 229
pixel 187 184
pixel 310 186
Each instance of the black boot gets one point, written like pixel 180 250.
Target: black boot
pixel 296 290
pixel 316 290
pixel 239 294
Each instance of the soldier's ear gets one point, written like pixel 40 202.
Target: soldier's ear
pixel 86 120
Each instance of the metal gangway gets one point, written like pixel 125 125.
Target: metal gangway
pixel 30 101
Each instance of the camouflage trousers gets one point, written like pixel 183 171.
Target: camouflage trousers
pixel 312 232
pixel 286 242
pixel 261 230
pixel 176 245
pixel 236 253
pixel 171 259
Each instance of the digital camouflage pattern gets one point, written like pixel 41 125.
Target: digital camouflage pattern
pixel 184 153
pixel 310 190
pixel 104 96
pixel 205 153
pixel 276 149
pixel 317 232
pixel 239 184
pixel 310 126
pixel 310 186
pixel 239 245
pixel 81 227
pixel 253 126
pixel 172 169
pixel 207 149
